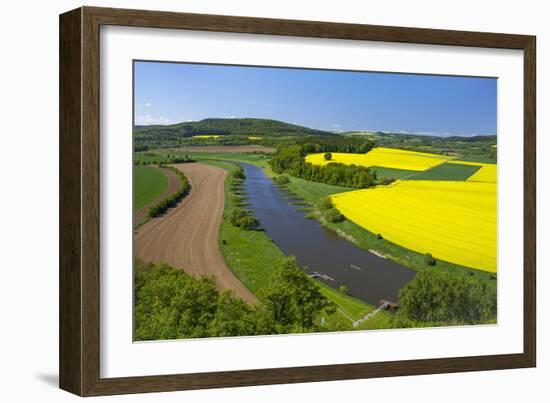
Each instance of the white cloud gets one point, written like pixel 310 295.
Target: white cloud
pixel 152 120
pixel 336 125
pixel 148 104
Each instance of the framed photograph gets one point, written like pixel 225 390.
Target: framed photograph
pixel 249 201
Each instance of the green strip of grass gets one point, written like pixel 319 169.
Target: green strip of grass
pixel 382 320
pixel 393 173
pixel 251 255
pixel 479 158
pixel 352 307
pixel 313 192
pixel 446 172
pixel 149 184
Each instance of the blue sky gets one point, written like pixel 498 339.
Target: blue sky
pixel 168 93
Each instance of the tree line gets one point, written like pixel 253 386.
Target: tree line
pixel 174 198
pixel 290 160
pixel 239 216
pixel 150 158
pixel 171 304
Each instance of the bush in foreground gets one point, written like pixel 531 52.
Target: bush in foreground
pixel 170 304
pixel 445 299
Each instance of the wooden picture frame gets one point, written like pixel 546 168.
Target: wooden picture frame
pixel 79 346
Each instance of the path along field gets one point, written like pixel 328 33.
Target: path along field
pixel 455 221
pixel 144 197
pixel 187 236
pixel 384 157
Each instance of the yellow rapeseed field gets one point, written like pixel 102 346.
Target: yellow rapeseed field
pixel 207 136
pixel 254 138
pixel 487 172
pixel 384 157
pixel 454 221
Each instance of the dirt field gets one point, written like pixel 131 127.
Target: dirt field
pixel 225 149
pixel 173 184
pixel 187 237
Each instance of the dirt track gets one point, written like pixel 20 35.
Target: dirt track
pixel 187 236
pixel 173 185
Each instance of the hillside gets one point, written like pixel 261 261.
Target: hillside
pixel 473 148
pixel 247 126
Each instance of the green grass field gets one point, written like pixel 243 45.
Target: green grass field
pixel 313 192
pixel 446 172
pixel 394 173
pixel 149 183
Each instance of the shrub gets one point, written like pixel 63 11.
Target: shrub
pixel 281 180
pixel 239 173
pixel 387 181
pixel 242 219
pixel 334 216
pixel 343 289
pixel 328 156
pixel 249 222
pixel 379 236
pixel 325 203
pixel 429 260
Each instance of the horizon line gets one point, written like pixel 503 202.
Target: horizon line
pixel 385 131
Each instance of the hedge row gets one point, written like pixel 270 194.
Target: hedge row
pixel 174 198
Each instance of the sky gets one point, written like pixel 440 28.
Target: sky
pixel 167 93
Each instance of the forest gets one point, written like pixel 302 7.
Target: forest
pixel 289 159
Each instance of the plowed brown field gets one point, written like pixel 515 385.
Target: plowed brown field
pixel 187 236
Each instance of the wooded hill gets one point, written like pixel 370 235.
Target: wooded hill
pixel 223 127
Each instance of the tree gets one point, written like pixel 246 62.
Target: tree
pixel 293 301
pixel 443 298
pixel 170 304
pixel 328 156
pixel 233 317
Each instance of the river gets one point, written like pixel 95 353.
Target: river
pixel 320 250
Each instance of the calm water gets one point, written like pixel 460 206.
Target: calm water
pixel 320 250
